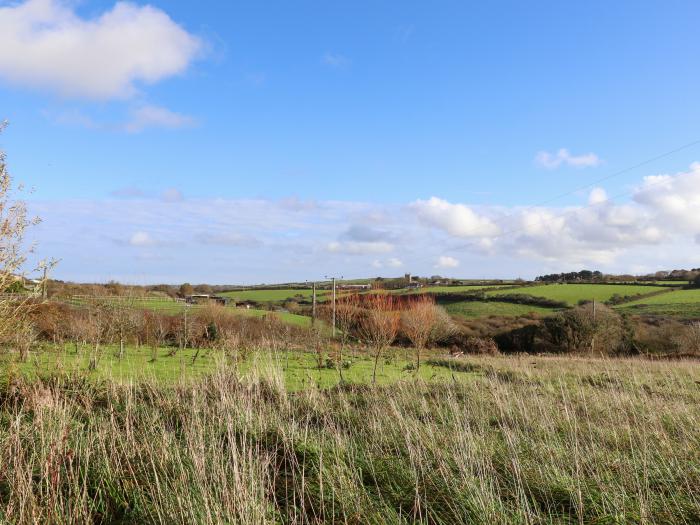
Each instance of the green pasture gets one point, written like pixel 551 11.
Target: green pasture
pixel 262 296
pixel 474 309
pixel 299 369
pixel 676 303
pixel 295 319
pixel 169 306
pixel 573 293
pixel 453 289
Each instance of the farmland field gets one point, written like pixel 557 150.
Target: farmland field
pixel 453 289
pixel 472 309
pixel 573 293
pixel 287 317
pixel 678 303
pixel 172 307
pixel 262 296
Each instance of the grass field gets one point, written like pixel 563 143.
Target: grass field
pixel 172 307
pixel 452 289
pixel 263 296
pixel 295 319
pixel 678 303
pixel 535 440
pixel 300 369
pixel 573 293
pixel 473 309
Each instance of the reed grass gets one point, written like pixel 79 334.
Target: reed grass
pixel 528 440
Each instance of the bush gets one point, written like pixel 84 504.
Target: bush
pixel 587 328
pixel 481 345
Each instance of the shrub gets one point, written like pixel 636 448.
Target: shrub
pixel 481 345
pixel 587 328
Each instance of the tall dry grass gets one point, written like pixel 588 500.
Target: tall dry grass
pixel 535 440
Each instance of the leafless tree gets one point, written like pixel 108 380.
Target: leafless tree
pixel 346 320
pixel 379 324
pixel 418 321
pixel 125 321
pixel 688 340
pixel 13 225
pixel 99 330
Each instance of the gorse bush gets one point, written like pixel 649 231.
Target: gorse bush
pixel 549 441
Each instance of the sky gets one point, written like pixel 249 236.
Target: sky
pixel 250 142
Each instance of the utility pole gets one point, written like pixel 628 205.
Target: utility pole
pixel 333 318
pixel 593 338
pixel 45 284
pixel 313 304
pixel 333 306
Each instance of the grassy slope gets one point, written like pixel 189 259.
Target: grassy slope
pixel 573 293
pixel 474 309
pixel 678 303
pixel 536 440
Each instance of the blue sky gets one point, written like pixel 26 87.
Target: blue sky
pixel 270 141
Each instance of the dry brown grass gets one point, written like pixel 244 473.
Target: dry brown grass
pixel 526 440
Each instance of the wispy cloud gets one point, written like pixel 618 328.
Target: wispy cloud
pixel 148 116
pixel 334 60
pixel 563 157
pixel 446 261
pixel 141 239
pixel 268 240
pixel 172 195
pixel 129 192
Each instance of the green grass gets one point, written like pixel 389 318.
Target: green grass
pixel 472 309
pixel 172 307
pixel 287 317
pixel 573 293
pixel 263 296
pixel 677 303
pixel 299 368
pixel 452 289
pixel 531 440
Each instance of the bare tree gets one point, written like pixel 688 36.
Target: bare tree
pixel 346 320
pixel 688 340
pixel 24 338
pixel 379 324
pixel 13 224
pixel 418 322
pixel 125 321
pixel 99 330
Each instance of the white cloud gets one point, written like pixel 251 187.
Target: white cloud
pixel 228 239
pixel 597 196
pixel 445 261
pixel 394 262
pixel 360 248
pixel 263 240
pixel 45 44
pixel 141 239
pixel 150 116
pixel 456 219
pixel 674 198
pixel 334 60
pixel 563 157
